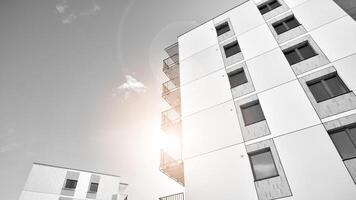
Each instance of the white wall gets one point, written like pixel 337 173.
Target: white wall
pixel 346 68
pixel 197 40
pixel 270 70
pixel 28 195
pixel 315 13
pixel 214 168
pixel 222 174
pixel 201 64
pixel 211 129
pixel 313 166
pixel 252 18
pixel 48 181
pixel 256 41
pixel 205 92
pixel 337 39
pixel 45 179
pixel 287 109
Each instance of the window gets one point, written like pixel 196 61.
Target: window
pixel 299 53
pixel 222 28
pixel 327 87
pixel 262 164
pixel 232 49
pixel 237 77
pixel 252 113
pixel 93 187
pixel 70 184
pixel 344 140
pixel 268 6
pixel 286 24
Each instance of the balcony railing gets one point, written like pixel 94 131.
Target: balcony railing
pixel 171 66
pixel 179 196
pixel 171 92
pixel 171 116
pixel 170 86
pixel 172 167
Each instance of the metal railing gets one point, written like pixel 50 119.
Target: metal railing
pixel 171 116
pixel 179 196
pixel 171 66
pixel 170 86
pixel 170 61
pixel 172 167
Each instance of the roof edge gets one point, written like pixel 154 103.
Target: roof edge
pixel 93 172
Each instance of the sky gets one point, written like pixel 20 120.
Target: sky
pixel 80 85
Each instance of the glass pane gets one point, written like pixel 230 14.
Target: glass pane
pixel 237 78
pixel 263 165
pixel 292 23
pixel 274 4
pixel 352 132
pixel 319 92
pixel 223 28
pixel 94 187
pixel 343 144
pixel 307 51
pixel 292 57
pixel 263 9
pixel 280 28
pixel 335 85
pixel 232 49
pixel 252 114
pixel 71 184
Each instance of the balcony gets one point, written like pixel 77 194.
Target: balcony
pixel 170 116
pixel 172 166
pixel 171 66
pixel 179 196
pixel 171 92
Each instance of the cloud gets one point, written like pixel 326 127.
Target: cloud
pixel 68 14
pixel 130 86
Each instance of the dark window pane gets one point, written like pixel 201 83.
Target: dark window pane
pixel 263 9
pixel 237 78
pixel 71 184
pixel 319 92
pixel 292 57
pixel 343 144
pixel 93 187
pixel 307 51
pixel 280 28
pixel 232 49
pixel 222 28
pixel 336 86
pixel 352 132
pixel 274 4
pixel 252 113
pixel 292 22
pixel 263 165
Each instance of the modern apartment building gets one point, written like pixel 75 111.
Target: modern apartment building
pixel 263 103
pixel 47 182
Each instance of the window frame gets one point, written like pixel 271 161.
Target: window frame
pixel 296 48
pixel 92 191
pixel 326 86
pixel 230 45
pixel 221 26
pixel 283 22
pixel 346 129
pixel 250 104
pixel 235 72
pixel 267 4
pixel 260 151
pixel 70 188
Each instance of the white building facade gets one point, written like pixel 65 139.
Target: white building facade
pixel 47 182
pixel 263 103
